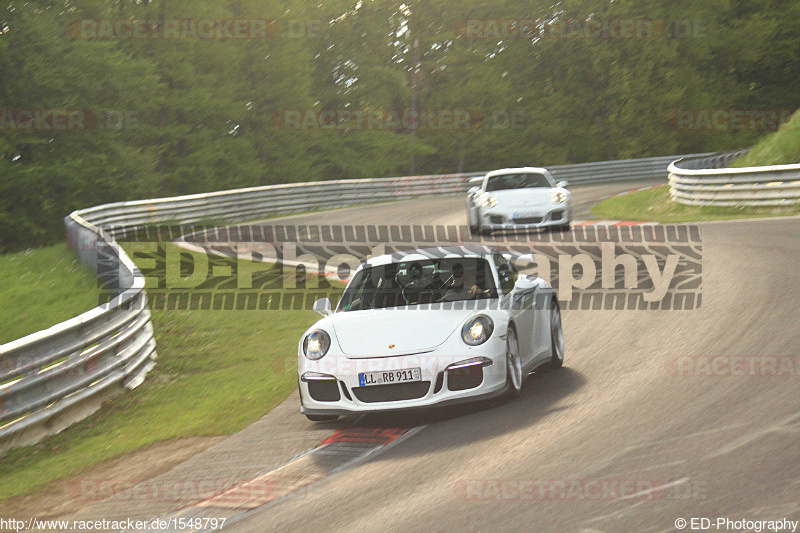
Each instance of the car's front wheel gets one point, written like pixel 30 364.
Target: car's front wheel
pixel 513 365
pixel 556 340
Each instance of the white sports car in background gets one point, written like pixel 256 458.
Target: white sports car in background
pixel 518 198
pixel 428 327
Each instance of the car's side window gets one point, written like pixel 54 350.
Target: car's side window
pixel 506 273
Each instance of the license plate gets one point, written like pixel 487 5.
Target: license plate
pixel 365 379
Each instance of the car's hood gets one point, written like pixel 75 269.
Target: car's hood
pixel 537 197
pixel 397 331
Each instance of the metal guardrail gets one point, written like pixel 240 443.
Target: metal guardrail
pixel 707 181
pixel 270 200
pixel 54 377
pixel 60 375
pixel 623 169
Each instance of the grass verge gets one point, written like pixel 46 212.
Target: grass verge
pixel 655 205
pixel 779 148
pixel 42 287
pixel 218 371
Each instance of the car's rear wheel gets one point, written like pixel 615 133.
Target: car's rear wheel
pixel 513 365
pixel 322 418
pixel 556 340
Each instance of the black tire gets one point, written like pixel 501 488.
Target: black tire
pixel 513 389
pixel 473 231
pixel 556 340
pixel 322 418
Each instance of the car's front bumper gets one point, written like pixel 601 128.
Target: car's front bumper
pixel 390 408
pixel 503 219
pixel 340 392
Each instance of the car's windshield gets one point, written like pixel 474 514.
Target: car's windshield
pixel 525 180
pixel 419 282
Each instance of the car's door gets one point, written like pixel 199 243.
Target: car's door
pixel 541 321
pixel 519 306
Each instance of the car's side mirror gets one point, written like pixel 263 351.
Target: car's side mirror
pixel 521 260
pixel 562 183
pixel 525 259
pixel 524 284
pixel 323 307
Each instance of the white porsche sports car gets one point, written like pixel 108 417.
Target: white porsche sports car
pixel 428 327
pixel 518 198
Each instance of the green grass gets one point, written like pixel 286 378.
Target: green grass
pixel 217 371
pixel 779 148
pixel 655 205
pixel 42 287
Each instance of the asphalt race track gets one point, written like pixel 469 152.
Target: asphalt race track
pixel 615 441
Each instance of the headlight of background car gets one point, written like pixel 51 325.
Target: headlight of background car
pixel 316 344
pixel 489 201
pixel 477 330
pixel 558 197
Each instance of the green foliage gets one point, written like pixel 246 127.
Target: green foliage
pixel 178 116
pixel 779 148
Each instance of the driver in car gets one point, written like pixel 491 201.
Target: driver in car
pixel 456 285
pixel 412 292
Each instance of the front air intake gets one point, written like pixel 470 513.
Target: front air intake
pixel 324 390
pixel 392 393
pixel 464 378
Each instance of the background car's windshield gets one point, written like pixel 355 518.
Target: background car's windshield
pixel 516 181
pixel 419 282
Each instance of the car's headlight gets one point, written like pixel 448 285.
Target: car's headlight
pixel 558 197
pixel 477 330
pixel 316 344
pixel 489 201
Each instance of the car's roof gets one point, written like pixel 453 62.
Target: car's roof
pixel 437 252
pixel 518 170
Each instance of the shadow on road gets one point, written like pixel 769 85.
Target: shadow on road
pixel 543 393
